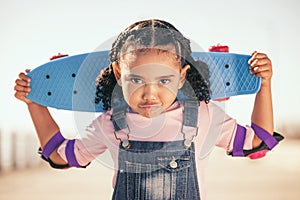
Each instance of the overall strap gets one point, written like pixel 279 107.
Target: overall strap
pixel 118 119
pixel 190 121
pixel 189 127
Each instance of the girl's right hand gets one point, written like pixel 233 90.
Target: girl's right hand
pixel 22 87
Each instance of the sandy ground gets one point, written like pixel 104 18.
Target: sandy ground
pixel 276 177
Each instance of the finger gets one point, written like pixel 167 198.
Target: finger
pixel 264 74
pixel 259 55
pixel 27 70
pixel 22 83
pixel 254 52
pixel 261 62
pixel 263 68
pixel 24 77
pixel 21 95
pixel 256 55
pixel 260 69
pixel 19 88
pixel 260 65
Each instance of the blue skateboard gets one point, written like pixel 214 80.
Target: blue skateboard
pixel 69 83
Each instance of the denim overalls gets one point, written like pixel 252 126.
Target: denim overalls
pixel 157 170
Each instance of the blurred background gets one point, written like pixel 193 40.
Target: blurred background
pixel 32 31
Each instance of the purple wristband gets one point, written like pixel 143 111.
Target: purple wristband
pixel 239 140
pixel 52 144
pixel 70 154
pixel 265 136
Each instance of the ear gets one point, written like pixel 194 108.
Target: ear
pixel 117 72
pixel 183 75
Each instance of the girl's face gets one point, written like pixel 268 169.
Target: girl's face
pixel 150 81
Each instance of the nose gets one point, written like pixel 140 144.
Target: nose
pixel 150 91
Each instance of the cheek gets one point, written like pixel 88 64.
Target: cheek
pixel 168 94
pixel 131 90
pixel 172 89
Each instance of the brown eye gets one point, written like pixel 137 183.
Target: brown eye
pixel 136 81
pixel 164 81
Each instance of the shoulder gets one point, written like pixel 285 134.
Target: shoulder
pixel 214 108
pixel 101 123
pixel 213 113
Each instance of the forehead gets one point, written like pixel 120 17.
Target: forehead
pixel 152 58
pixel 151 71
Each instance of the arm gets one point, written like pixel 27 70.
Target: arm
pixel 43 122
pixel 262 114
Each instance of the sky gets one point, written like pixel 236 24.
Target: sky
pixel 32 31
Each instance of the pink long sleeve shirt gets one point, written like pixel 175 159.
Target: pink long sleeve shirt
pixel 215 129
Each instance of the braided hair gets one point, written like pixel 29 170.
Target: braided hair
pixel 145 35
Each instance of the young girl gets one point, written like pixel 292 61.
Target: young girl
pixel 155 136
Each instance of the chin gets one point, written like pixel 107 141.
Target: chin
pixel 152 114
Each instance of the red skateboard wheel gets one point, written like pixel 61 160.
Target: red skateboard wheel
pixel 219 48
pixel 59 55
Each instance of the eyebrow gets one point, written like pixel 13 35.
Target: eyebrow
pixel 165 77
pixel 141 77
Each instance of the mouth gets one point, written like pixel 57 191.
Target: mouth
pixel 150 107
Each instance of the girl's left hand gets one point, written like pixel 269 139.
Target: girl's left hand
pixel 261 66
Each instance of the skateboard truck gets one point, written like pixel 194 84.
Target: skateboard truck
pixel 219 48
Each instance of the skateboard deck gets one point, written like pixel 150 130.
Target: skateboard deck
pixel 69 83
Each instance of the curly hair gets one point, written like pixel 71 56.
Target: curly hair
pixel 145 35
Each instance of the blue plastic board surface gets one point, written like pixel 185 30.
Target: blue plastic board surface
pixel 69 83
